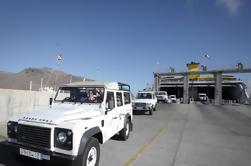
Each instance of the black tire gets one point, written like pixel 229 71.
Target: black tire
pixel 125 132
pixel 91 146
pixel 154 109
pixel 151 111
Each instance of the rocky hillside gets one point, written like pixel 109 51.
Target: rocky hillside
pixel 50 78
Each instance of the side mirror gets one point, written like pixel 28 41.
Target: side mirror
pixel 107 110
pixel 50 101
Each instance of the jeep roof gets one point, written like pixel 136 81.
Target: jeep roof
pixel 107 85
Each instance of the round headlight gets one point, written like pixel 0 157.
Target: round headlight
pixel 62 137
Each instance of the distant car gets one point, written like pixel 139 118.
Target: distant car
pixel 202 96
pixel 169 101
pixel 145 101
pixel 173 98
pixel 162 96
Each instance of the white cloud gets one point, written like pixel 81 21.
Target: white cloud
pixel 233 6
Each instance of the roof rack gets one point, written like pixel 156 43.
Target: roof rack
pixel 123 86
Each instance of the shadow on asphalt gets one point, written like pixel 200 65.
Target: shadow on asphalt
pixel 137 112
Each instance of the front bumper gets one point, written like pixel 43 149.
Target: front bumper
pixel 56 158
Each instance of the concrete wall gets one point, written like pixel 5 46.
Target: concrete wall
pixel 17 102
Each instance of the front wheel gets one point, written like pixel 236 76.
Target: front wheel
pixel 151 111
pixel 91 153
pixel 125 132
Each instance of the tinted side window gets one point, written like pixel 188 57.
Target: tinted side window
pixel 119 99
pixel 127 98
pixel 110 102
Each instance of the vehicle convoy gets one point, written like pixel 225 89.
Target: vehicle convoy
pixel 162 96
pixel 81 116
pixel 145 101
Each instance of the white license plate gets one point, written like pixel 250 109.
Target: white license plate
pixel 139 108
pixel 32 154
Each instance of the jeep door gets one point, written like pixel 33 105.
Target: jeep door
pixel 111 115
pixel 120 110
pixel 124 109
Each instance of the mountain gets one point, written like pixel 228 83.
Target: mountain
pixel 50 78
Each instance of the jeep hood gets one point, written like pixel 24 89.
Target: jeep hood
pixel 63 112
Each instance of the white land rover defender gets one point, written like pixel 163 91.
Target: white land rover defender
pixel 81 116
pixel 145 101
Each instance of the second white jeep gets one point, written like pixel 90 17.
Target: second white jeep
pixel 81 116
pixel 145 101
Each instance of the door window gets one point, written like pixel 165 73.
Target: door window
pixel 127 98
pixel 119 99
pixel 110 102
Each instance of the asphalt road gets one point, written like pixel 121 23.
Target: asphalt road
pixel 176 135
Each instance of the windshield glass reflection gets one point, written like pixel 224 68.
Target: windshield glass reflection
pixel 80 94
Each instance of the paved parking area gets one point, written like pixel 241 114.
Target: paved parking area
pixel 179 135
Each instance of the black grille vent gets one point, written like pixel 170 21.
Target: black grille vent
pixel 140 104
pixel 33 135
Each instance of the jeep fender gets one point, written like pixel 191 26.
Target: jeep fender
pixel 86 136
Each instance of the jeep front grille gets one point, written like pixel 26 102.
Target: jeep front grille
pixel 34 136
pixel 140 104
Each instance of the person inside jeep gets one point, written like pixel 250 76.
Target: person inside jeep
pixel 92 96
pixel 80 94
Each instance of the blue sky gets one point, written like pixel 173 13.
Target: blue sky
pixel 121 40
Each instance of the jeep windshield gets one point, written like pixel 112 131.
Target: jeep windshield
pixel 144 96
pixel 161 93
pixel 80 94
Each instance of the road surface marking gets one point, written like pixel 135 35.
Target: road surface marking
pixel 142 149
